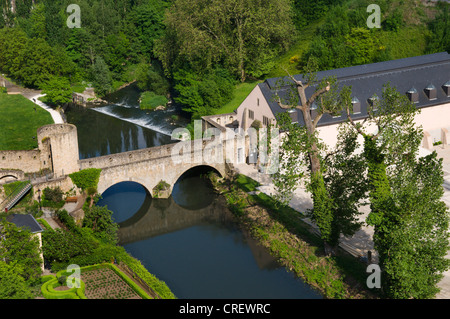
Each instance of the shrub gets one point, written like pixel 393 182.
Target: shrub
pixel 150 101
pixel 61 246
pixel 67 220
pixel 161 187
pixel 53 197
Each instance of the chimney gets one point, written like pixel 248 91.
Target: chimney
pixel 313 110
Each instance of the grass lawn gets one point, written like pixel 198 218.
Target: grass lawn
pixel 241 91
pixel 20 120
pixel 406 42
pixel 305 36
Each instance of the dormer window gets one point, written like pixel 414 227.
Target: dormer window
pixel 313 110
pixel 446 88
pixel 356 105
pixel 293 115
pixel 373 102
pixel 431 92
pixel 413 95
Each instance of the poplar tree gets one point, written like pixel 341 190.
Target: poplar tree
pixel 410 220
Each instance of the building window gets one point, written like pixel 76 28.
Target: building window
pixel 266 121
pixel 257 101
pixel 251 114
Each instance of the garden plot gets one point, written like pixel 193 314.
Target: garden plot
pixel 104 283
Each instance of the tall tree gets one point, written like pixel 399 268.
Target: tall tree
pixel 244 35
pixel 58 91
pixel 101 77
pixel 324 100
pixel 410 221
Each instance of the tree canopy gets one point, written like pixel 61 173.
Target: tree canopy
pixel 243 35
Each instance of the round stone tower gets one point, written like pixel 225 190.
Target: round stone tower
pixel 59 146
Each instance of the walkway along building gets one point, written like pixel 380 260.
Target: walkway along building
pixel 424 79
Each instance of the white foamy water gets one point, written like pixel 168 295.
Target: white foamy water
pixel 143 121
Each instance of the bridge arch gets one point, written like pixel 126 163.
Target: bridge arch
pixel 128 199
pixel 105 184
pixel 10 175
pixel 190 191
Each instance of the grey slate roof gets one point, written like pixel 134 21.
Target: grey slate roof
pixel 26 221
pixel 366 80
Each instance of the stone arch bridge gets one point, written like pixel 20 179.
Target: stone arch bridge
pixel 58 153
pixel 164 163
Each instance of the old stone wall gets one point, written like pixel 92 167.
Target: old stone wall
pixel 26 161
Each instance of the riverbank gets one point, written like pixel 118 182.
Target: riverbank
pixel 292 241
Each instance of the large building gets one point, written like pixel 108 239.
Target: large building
pixel 424 79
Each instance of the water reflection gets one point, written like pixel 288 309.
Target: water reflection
pixel 199 253
pixel 122 126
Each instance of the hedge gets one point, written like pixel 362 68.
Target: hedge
pixel 50 282
pixel 49 292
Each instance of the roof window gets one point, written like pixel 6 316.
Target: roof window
pixel 431 92
pixel 446 88
pixel 413 95
pixel 356 105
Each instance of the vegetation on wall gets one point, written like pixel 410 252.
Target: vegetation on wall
pixel 86 179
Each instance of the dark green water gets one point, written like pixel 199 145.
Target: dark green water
pixel 190 240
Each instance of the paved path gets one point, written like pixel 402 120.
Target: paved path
pixel 57 118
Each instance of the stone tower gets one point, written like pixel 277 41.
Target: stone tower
pixel 59 146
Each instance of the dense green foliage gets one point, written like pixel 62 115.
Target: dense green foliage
pixel 150 101
pixel 57 90
pixel 173 47
pixel 200 95
pixel 98 218
pixel 20 247
pixel 87 178
pixel 409 218
pixel 85 246
pixel 12 284
pixel 242 35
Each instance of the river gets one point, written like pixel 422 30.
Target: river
pixel 190 240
